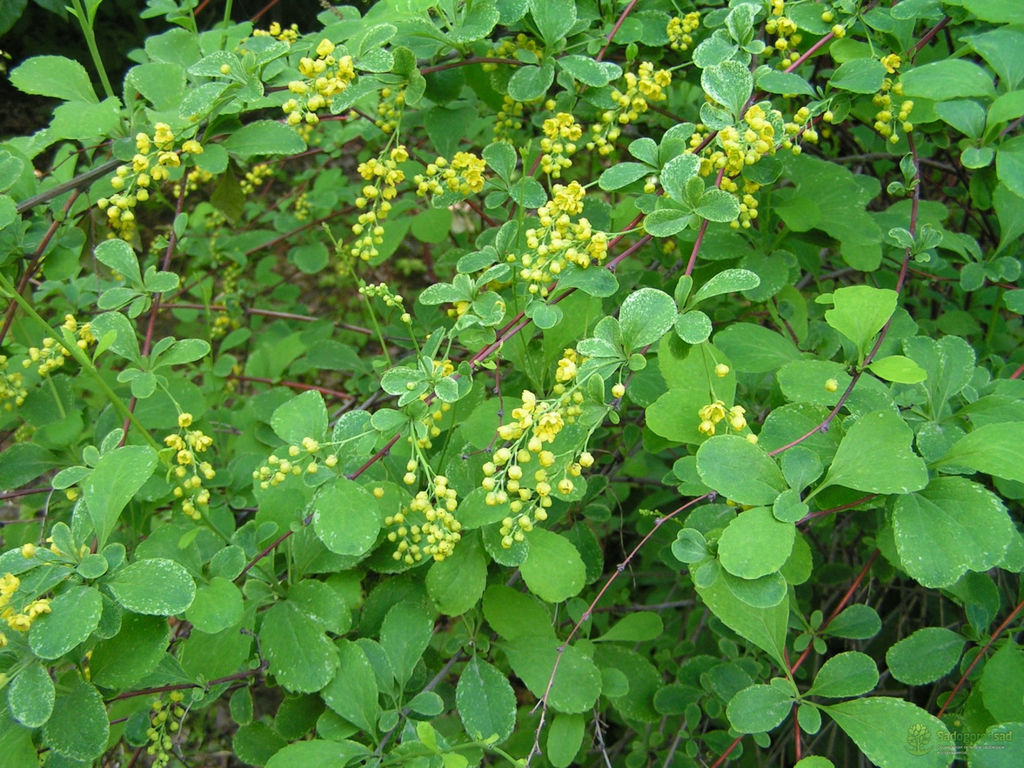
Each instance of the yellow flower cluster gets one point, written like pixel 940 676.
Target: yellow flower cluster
pixel 254 177
pixel 323 78
pixel 748 203
pixel 432 418
pixel 784 29
pixel 427 527
pixel 743 144
pixel 303 458
pixel 18 619
pixel 464 175
pixel 162 723
pixel 190 470
pixel 885 119
pixel 645 87
pixel 50 356
pixel 715 412
pixel 509 119
pixel 561 133
pixel 509 48
pixel 288 35
pixel 193 179
pixel 536 424
pixel 680 31
pixel 390 109
pixel 559 240
pixel 153 158
pixel 12 386
pixel 383 178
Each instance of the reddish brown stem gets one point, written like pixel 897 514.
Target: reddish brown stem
pixel 615 30
pixel 970 668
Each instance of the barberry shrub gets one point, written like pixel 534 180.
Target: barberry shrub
pixel 532 382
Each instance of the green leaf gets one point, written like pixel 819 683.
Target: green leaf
pixel 554 18
pixel 636 627
pixel 500 158
pixel 645 316
pixel 1010 165
pixel 773 81
pixel 860 311
pixel 949 528
pixel 22 463
pixel 218 605
pixel 764 627
pixel 999 747
pixel 298 652
pixel 947 79
pixel 994 449
pixel 729 83
pixel 154 586
pixel 666 222
pixel 256 742
pixel 814 761
pixel 593 281
pixel 859 76
pixel 565 737
pixel 132 653
pixel 677 173
pixel 948 363
pixel 405 634
pixel 78 728
pixel 875 456
pixel 304 415
pixel 457 583
pixel 553 569
pixel 353 692
pixel 755 349
pixel 886 730
pixel 831 198
pixel 856 622
pixel 596 74
pixel 693 327
pixel 530 82
pixel 925 656
pixel 717 205
pixel 758 708
pixel 162 84
pixel 577 681
pixel 754 543
pixel 30 696
pixel 54 76
pixel 966 116
pixel 183 351
pixel 623 174
pixel 513 614
pixel 726 281
pixel 690 546
pixel 73 616
pixel 741 471
pixel 845 674
pixel 899 369
pixel 263 137
pixel 476 24
pixel 485 701
pixel 120 257
pixel 318 753
pixel 346 517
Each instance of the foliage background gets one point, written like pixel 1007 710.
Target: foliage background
pixel 741 279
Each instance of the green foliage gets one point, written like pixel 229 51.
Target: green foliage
pixel 528 382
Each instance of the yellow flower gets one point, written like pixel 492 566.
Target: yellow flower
pixel 891 63
pixel 548 426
